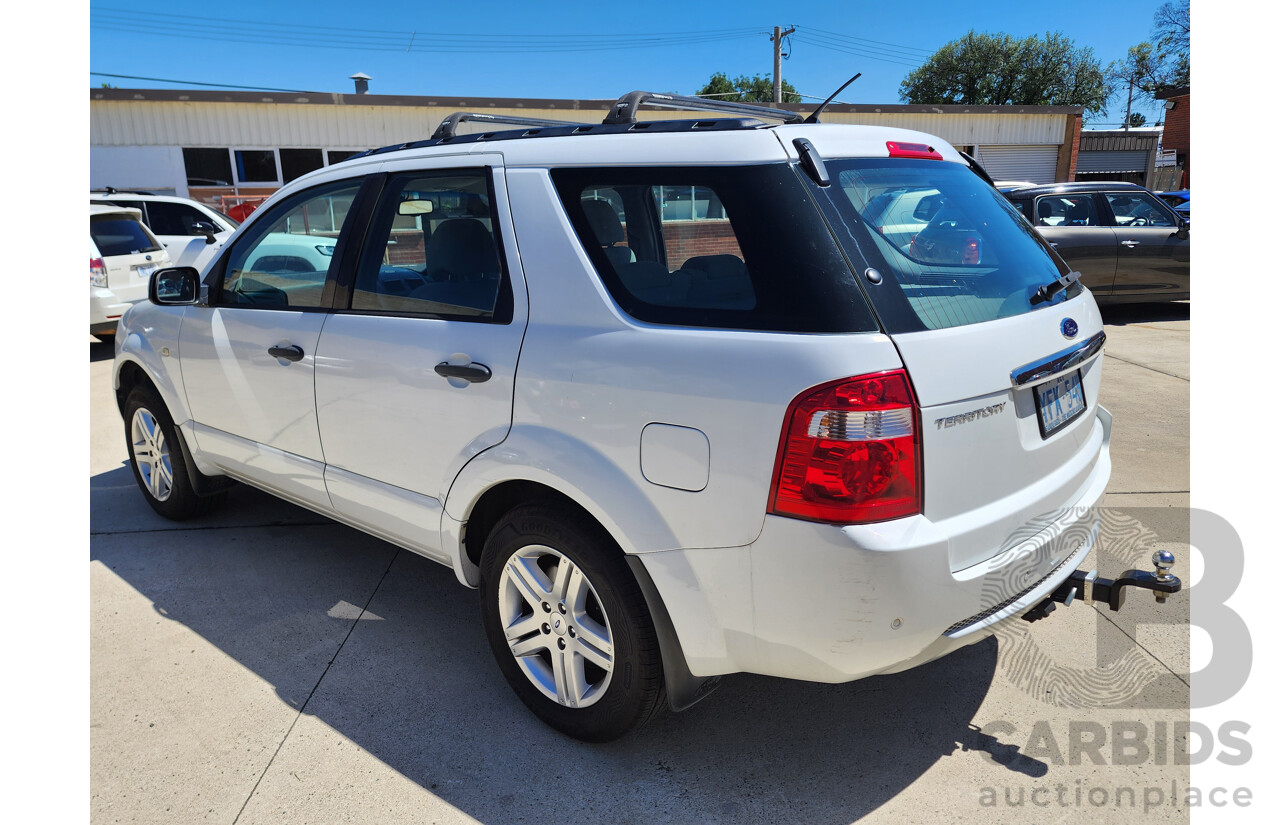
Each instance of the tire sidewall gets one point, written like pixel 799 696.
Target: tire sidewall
pixel 182 502
pixel 628 700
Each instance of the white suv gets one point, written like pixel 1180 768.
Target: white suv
pixel 659 390
pixel 122 255
pixel 190 231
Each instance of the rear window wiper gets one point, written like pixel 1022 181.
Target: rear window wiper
pixel 1046 292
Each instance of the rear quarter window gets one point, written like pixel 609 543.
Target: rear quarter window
pixel 725 247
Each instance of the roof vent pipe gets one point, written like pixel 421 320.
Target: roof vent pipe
pixel 362 82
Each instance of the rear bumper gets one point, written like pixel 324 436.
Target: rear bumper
pixel 105 309
pixel 833 604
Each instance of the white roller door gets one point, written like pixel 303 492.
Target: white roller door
pixel 1037 164
pixel 1130 161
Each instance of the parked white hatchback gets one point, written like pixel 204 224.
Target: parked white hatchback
pixel 122 255
pixel 664 392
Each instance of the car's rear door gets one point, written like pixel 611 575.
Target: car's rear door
pixel 1154 261
pixel 249 359
pixel 1074 224
pixel 129 252
pixel 415 372
pixel 1006 379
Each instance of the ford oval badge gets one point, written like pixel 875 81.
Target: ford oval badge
pixel 1070 328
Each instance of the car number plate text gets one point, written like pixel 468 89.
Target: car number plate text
pixel 1059 402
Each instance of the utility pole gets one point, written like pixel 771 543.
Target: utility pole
pixel 1128 107
pixel 778 34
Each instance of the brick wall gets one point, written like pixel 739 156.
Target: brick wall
pixel 1177 134
pixel 689 239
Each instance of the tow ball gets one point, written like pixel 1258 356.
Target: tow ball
pixel 1085 586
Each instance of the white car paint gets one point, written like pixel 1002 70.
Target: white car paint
pixel 362 431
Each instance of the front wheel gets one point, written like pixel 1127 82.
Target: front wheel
pixel 568 624
pixel 157 461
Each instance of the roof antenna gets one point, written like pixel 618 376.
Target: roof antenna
pixel 813 118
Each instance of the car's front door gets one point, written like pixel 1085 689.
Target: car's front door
pixel 248 360
pixel 1073 225
pixel 417 374
pixel 1154 257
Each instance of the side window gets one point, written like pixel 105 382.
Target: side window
pixel 284 258
pixel 701 247
pixel 175 218
pixel 691 257
pixel 1138 209
pixel 1066 210
pixel 433 249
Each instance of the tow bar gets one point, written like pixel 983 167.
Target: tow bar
pixel 1088 588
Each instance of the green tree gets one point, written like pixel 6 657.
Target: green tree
pixel 743 89
pixel 1173 43
pixel 1137 119
pixel 1002 70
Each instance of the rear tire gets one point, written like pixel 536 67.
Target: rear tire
pixel 568 624
pixel 156 458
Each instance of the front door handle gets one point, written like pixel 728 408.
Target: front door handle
pixel 291 353
pixel 1130 244
pixel 473 372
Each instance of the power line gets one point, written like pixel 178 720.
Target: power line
pixel 196 83
pixel 281 34
pixel 859 53
pixel 880 43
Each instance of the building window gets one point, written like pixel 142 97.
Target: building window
pixel 256 166
pixel 339 155
pixel 295 163
pixel 207 167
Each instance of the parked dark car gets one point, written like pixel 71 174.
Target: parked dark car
pixel 1128 244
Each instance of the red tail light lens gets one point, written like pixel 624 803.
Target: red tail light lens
pixel 850 452
pixel 97 272
pixel 912 150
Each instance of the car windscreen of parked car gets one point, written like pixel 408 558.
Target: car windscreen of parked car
pixel 951 250
pixel 119 235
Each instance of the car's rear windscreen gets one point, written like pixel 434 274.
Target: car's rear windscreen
pixel 116 235
pixel 951 249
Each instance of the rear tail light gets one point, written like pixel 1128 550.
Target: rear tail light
pixel 97 272
pixel 971 251
pixel 850 452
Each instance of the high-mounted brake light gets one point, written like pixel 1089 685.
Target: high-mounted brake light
pixel 97 272
pixel 971 251
pixel 850 452
pixel 912 150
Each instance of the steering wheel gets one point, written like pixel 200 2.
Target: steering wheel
pixel 1138 222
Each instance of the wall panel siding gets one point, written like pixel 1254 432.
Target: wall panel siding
pixel 189 123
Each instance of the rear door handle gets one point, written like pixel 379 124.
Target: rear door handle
pixel 290 353
pixel 473 372
pixel 1130 244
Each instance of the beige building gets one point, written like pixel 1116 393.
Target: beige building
pixel 230 147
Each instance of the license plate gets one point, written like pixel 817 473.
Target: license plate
pixel 144 272
pixel 1059 402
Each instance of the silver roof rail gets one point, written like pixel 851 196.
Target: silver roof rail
pixel 449 126
pixel 624 110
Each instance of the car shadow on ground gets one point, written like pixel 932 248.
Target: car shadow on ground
pixel 415 685
pixel 101 349
pixel 1121 314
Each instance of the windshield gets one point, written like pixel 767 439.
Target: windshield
pixel 951 249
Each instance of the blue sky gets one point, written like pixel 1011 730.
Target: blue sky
pixel 528 49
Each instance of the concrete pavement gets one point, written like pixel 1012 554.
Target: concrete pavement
pixel 265 665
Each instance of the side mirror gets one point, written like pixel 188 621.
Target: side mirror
pixel 206 229
pixel 174 286
pixel 1184 231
